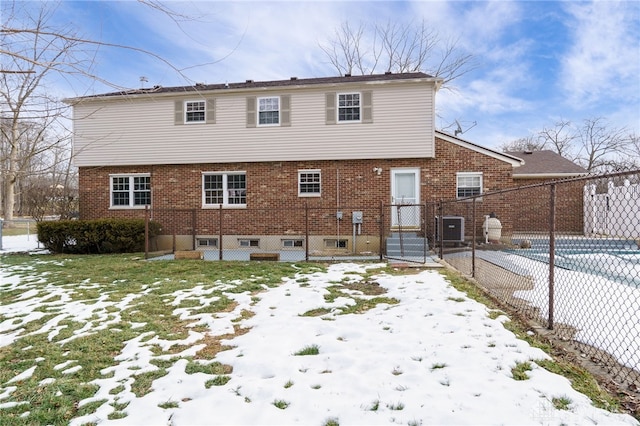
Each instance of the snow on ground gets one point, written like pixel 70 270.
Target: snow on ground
pixel 605 312
pixel 20 243
pixel 434 358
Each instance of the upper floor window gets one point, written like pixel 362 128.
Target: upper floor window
pixel 268 111
pixel 469 184
pixel 194 111
pixel 351 107
pixel 309 183
pixel 130 190
pixel 348 107
pixel 226 189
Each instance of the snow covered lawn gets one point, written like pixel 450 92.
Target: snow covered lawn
pixel 391 349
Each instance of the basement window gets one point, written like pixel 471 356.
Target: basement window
pixel 247 242
pixel 297 243
pixel 208 242
pixel 335 243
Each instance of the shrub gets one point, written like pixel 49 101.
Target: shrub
pixel 95 236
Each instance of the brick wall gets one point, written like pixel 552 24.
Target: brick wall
pixel 272 188
pixel 531 207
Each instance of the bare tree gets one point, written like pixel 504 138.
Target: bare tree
pixel 560 137
pixel 601 146
pixel 26 108
pixel 529 143
pixel 396 47
pixel 594 145
pixel 34 52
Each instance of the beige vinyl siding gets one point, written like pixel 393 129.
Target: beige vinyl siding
pixel 143 131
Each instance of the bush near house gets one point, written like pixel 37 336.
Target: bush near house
pixel 95 236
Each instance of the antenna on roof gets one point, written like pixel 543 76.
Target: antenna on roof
pixel 459 130
pixel 143 80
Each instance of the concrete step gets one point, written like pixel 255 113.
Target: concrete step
pixel 411 245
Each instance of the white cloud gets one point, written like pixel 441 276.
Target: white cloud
pixel 604 61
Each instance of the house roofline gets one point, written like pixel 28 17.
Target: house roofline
pixel 250 85
pixel 514 161
pixel 548 175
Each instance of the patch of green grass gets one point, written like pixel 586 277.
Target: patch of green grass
pixel 117 390
pixel 582 381
pixel 119 406
pixel 438 365
pixel 142 382
pixel 281 403
pixel 288 384
pixel 396 407
pixel 375 405
pixel 363 305
pixel 214 368
pixel 220 380
pixel 333 421
pixel 316 312
pixel 519 372
pixel 169 404
pixel 308 350
pixel 456 299
pixel 561 403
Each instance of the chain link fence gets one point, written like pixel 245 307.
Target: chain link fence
pixel 577 276
pixel 286 234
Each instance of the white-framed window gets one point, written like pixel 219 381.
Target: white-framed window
pixel 195 111
pixel 309 183
pixel 269 111
pixel 207 242
pixel 335 243
pixel 249 242
pixel 130 191
pixel 468 184
pixel 224 188
pixel 292 243
pixel 348 107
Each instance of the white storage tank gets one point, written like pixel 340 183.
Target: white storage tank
pixel 492 229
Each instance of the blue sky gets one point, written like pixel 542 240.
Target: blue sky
pixel 539 61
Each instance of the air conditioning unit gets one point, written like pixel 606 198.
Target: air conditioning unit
pixel 452 229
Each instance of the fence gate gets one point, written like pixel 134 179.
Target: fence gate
pixel 406 238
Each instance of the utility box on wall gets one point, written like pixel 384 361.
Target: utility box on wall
pixel 452 229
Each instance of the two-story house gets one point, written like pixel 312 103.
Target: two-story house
pixel 255 153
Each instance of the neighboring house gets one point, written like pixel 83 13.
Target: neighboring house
pixel 543 166
pixel 355 141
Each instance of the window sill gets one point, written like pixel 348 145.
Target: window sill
pixel 128 207
pixel 224 206
pixel 469 200
pixel 309 195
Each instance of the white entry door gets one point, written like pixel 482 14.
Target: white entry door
pixel 405 195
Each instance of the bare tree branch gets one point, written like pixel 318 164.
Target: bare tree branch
pixel 399 48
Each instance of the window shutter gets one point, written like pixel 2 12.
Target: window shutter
pixel 179 112
pixel 285 110
pixel 367 107
pixel 211 111
pixel 251 111
pixel 330 108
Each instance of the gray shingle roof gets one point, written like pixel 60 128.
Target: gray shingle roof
pixel 545 162
pixel 250 84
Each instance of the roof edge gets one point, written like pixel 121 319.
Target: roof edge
pixel 548 175
pixel 514 161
